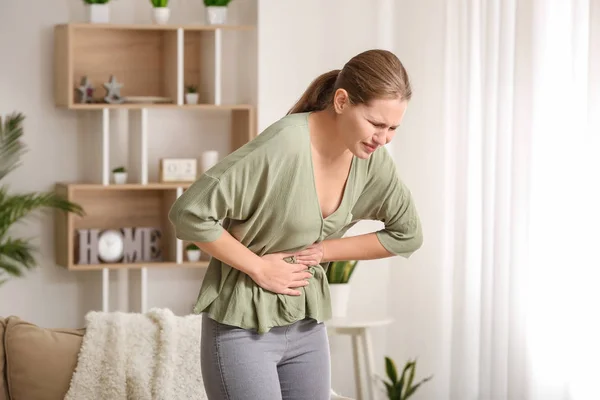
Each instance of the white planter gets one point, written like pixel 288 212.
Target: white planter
pixel 98 13
pixel 191 98
pixel 120 177
pixel 216 15
pixel 193 255
pixel 340 296
pixel 160 15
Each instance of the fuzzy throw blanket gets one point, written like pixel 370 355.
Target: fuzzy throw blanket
pixel 149 356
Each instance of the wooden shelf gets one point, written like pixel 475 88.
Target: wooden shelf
pixel 148 60
pixel 127 186
pixel 97 267
pixel 154 27
pixel 137 106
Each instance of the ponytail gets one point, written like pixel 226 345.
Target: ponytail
pixel 319 95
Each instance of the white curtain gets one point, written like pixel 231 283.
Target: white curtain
pixel 523 198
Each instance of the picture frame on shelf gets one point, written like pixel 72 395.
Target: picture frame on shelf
pixel 178 170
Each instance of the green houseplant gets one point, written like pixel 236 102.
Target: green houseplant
pixel 98 11
pixel 160 11
pixel 191 95
pixel 338 276
pixel 401 387
pixel 216 11
pixel 193 252
pixel 119 175
pixel 16 254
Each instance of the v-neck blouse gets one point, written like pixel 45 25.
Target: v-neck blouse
pixel 264 194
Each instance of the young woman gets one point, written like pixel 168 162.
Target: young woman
pixel 285 200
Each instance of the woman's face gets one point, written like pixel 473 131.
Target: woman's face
pixel 366 127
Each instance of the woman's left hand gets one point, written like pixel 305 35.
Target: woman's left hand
pixel 312 255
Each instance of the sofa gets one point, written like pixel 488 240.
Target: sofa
pixel 36 363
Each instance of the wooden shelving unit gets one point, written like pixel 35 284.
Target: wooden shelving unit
pixel 116 206
pixel 150 61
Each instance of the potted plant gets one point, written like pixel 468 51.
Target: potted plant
pixel 191 95
pixel 98 11
pixel 401 387
pixel 16 254
pixel 160 11
pixel 192 252
pixel 216 11
pixel 338 275
pixel 119 175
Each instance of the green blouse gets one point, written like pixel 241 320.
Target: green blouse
pixel 264 194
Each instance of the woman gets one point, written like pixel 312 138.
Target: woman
pixel 286 199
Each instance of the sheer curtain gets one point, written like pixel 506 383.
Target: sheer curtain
pixel 523 198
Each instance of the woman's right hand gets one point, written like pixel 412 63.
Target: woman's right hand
pixel 279 276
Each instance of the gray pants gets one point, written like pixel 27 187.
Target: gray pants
pixel 286 363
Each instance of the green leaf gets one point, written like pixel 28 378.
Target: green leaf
pixel 16 255
pixel 14 208
pixel 11 146
pixel 159 3
pixel 413 389
pixel 400 384
pixel 391 371
pixel 217 3
pixel 411 375
pixel 340 271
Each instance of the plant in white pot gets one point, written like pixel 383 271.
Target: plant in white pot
pixel 98 11
pixel 119 175
pixel 160 11
pixel 193 252
pixel 191 94
pixel 338 275
pixel 216 11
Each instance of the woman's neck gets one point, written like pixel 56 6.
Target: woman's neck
pixel 325 136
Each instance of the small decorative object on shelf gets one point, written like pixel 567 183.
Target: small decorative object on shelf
pixel 209 159
pixel 86 91
pixel 113 91
pixel 193 252
pixel 124 245
pixel 98 11
pixel 119 175
pixel 160 11
pixel 338 276
pixel 177 170
pixel 191 95
pixel 216 11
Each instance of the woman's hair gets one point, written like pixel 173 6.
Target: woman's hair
pixel 372 74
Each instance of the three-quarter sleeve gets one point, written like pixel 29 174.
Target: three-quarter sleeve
pixel 196 215
pixel 402 233
pixel 386 198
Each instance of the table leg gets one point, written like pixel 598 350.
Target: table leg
pixel 369 358
pixel 356 356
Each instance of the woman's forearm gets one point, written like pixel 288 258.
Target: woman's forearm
pixel 230 251
pixel 360 247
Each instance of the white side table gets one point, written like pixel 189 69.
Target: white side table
pixel 361 337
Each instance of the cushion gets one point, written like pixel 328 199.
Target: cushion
pixel 39 362
pixel 3 387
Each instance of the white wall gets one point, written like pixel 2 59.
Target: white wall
pixel 417 295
